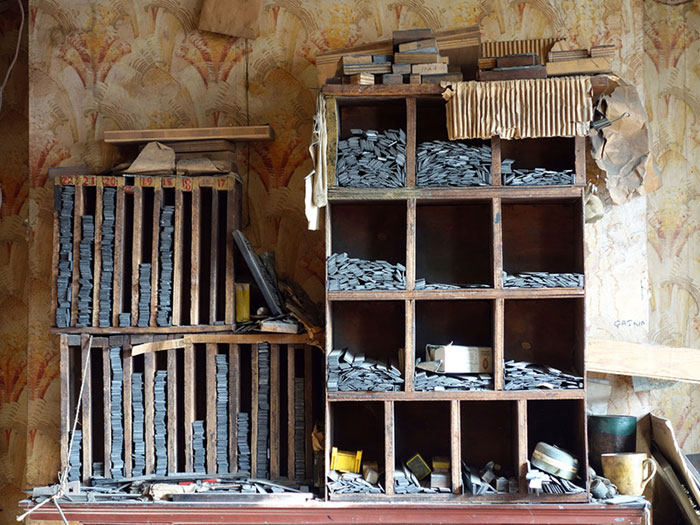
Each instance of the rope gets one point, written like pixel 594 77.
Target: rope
pixel 63 475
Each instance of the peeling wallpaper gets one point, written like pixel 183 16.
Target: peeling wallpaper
pixel 97 65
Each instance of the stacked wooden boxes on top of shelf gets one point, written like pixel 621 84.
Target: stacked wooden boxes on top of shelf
pixel 474 242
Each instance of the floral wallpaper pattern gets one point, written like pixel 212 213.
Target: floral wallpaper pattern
pixel 97 65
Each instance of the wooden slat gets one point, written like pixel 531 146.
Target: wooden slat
pixel 274 411
pixel 409 345
pixel 172 410
pixel 118 257
pixel 308 413
pixel 456 447
pixel 496 179
pixel 521 429
pixel 410 244
pixel 128 369
pixel 195 253
pixel 177 259
pixel 155 255
pixel 65 399
pixel 107 407
pixel 231 224
pixel 389 461
pixel 136 253
pixel 235 133
pixel 86 409
pixel 97 257
pixel 149 370
pixel 291 355
pixel 188 402
pixel 470 193
pixel 410 142
pixel 78 210
pixel 580 162
pixel 211 407
pixel 498 343
pixel 497 243
pixel 254 410
pixel 54 264
pixel 234 401
pixel 398 90
pixel 214 261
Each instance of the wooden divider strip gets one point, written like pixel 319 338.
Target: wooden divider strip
pixel 497 243
pixel 456 446
pixel 195 254
pixel 410 244
pixel 118 258
pixel 231 224
pixel 389 461
pixel 496 179
pixel 521 429
pixel 54 267
pixel 78 209
pixel 498 343
pixel 172 410
pixel 308 412
pixel 128 368
pixel 136 259
pixel 96 257
pixel 409 345
pixel 274 411
pixel 211 407
pixel 177 260
pixel 155 254
pixel 214 261
pixel 86 409
pixel 254 410
pixel 580 159
pixel 291 471
pixel 64 366
pixel 411 142
pixel 234 400
pixel 188 402
pixel 149 371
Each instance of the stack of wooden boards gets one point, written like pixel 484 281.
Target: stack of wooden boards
pixel 559 62
pixel 416 59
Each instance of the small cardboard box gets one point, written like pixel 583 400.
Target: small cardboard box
pixel 457 359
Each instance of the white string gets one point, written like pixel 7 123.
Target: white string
pixel 63 475
pixel 14 60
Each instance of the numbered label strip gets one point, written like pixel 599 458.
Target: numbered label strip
pixel 219 183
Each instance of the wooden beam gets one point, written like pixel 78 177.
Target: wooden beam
pixel 520 428
pixel 234 401
pixel 254 410
pixel 214 259
pixel 274 411
pixel 177 257
pixel 456 447
pixel 291 351
pixel 211 407
pixel 498 343
pixel 172 409
pixel 65 400
pixel 646 360
pixel 86 409
pixel 149 370
pixel 195 252
pixel 235 133
pixel 189 405
pixel 389 461
pixel 308 413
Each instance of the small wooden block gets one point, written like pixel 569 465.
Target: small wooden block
pixel 410 35
pixel 580 66
pixel 415 78
pixel 416 58
pixel 417 45
pixel 401 69
pixel 382 59
pixel 514 73
pixel 446 77
pixel 487 62
pixel 363 79
pixel 524 59
pixel 392 79
pixel 346 60
pixel 429 69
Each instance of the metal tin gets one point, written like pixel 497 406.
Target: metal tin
pixel 554 460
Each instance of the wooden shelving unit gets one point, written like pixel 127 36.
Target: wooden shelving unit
pixel 456 235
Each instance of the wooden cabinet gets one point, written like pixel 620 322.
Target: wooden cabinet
pixel 468 237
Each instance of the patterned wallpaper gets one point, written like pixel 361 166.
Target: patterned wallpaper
pixel 96 65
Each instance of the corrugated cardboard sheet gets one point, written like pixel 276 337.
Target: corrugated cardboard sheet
pixel 541 46
pixel 513 109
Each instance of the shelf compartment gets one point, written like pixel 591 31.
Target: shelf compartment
pixel 529 155
pixel 547 332
pixel 370 231
pixel 423 428
pixel 489 432
pixel 468 323
pixel 454 243
pixel 358 426
pixel 545 236
pixel 561 423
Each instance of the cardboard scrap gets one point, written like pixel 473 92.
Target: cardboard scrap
pixel 155 158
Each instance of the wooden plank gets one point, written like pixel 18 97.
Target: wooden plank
pixel 486 192
pixel 211 407
pixel 254 410
pixel 389 461
pixel 172 410
pixel 156 346
pixel 195 253
pixel 214 261
pixel 291 356
pixel 136 259
pixel 177 258
pixel 232 220
pixel 155 255
pixel 497 244
pixel 646 360
pixel 308 413
pixel 513 73
pixel 411 142
pixel 188 403
pixel 379 90
pixel 275 411
pixel 410 244
pixel 579 66
pixel 64 365
pixel 580 159
pixel 409 345
pixel 204 333
pixel 496 179
pixel 479 395
pixel 498 343
pixel 456 447
pixel 234 401
pixel 118 257
pixel 236 133
pixel 86 408
pixel 249 338
pixel 96 258
pixel 149 370
pixel 332 127
pixel 521 443
pixel 78 210
pixel 127 370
